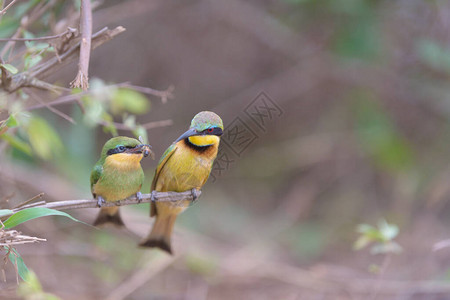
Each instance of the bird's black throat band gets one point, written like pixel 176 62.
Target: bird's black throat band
pixel 196 147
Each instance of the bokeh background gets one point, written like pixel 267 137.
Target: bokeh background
pixel 344 111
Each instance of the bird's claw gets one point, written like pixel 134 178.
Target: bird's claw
pixel 139 197
pixel 195 194
pixel 153 196
pixel 100 201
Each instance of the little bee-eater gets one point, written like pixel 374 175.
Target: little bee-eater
pixel 117 175
pixel 184 166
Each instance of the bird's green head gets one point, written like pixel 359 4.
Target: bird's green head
pixel 122 145
pixel 206 129
pixel 205 120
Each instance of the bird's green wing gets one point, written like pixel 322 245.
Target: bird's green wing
pixel 95 174
pixel 164 158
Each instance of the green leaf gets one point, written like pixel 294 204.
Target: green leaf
pixel 5 212
pixel 17 143
pixel 8 25
pixel 140 131
pixel 109 128
pixel 43 138
pixel 200 264
pixel 363 228
pixel 33 213
pixel 127 100
pixel 15 258
pixel 31 61
pixel 40 46
pixel 11 122
pixel 10 68
pixel 94 111
pixel 361 242
pixel 31 288
pixel 129 121
pixel 389 231
pixel 378 135
pixel 434 55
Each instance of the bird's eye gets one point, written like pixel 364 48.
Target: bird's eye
pixel 121 148
pixel 210 129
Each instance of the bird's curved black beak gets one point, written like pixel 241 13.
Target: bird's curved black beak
pixel 187 134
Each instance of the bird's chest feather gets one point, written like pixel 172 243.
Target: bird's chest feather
pixel 186 170
pixel 121 177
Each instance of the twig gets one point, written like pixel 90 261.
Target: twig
pixel 441 245
pixel 98 39
pixel 58 101
pixel 35 14
pixel 82 78
pixel 92 203
pixel 28 78
pixel 13 237
pixel 54 110
pixel 149 125
pixel 164 95
pixel 3 11
pixel 75 97
pixel 30 200
pixel 43 38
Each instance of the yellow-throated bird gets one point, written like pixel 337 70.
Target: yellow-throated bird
pixel 184 166
pixel 117 175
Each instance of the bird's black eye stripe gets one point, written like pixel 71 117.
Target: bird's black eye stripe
pixel 213 131
pixel 118 149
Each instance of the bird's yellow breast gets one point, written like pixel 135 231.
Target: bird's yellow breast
pixel 124 161
pixel 186 169
pixel 204 140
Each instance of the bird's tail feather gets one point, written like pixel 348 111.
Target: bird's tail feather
pixel 109 215
pixel 160 235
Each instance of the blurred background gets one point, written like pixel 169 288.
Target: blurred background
pixel 336 113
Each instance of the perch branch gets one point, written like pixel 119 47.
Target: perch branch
pixel 82 78
pixel 92 203
pixel 69 31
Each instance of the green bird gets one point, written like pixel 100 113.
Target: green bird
pixel 117 175
pixel 184 166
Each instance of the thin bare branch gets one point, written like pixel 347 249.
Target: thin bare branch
pixel 38 196
pixel 75 97
pixel 13 237
pixel 54 110
pixel 35 14
pixel 69 31
pixel 149 125
pixel 164 95
pixel 3 11
pixel 98 39
pixel 92 203
pixel 157 124
pixel 82 78
pixel 58 101
pixel 29 78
